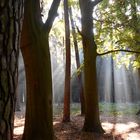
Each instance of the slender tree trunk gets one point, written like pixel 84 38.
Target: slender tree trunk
pixel 92 121
pixel 112 96
pixel 10 19
pixel 36 55
pixel 138 112
pixel 77 63
pixel 66 112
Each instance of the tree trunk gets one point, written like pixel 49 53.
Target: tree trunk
pixel 36 55
pixel 112 96
pixel 92 121
pixel 77 63
pixel 66 112
pixel 10 18
pixel 38 123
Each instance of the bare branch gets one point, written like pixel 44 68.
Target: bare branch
pixel 121 50
pixel 51 15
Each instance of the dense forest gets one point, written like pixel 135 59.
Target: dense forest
pixel 69 70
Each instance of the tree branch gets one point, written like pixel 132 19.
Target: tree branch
pixel 95 2
pixel 121 50
pixel 78 30
pixel 51 15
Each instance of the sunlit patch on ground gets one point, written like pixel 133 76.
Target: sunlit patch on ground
pixel 56 122
pixel 19 130
pixel 125 128
pixel 18 126
pixel 128 131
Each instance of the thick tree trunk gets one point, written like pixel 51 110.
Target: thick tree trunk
pixel 92 121
pixel 35 51
pixel 66 113
pixel 36 55
pixel 10 17
pixel 77 63
pixel 38 123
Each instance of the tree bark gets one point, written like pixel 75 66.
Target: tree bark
pixel 92 120
pixel 66 112
pixel 36 55
pixel 112 96
pixel 77 63
pixel 38 123
pixel 10 27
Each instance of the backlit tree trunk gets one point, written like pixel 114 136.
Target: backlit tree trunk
pixel 66 113
pixel 112 99
pixel 10 27
pixel 36 55
pixel 77 63
pixel 92 120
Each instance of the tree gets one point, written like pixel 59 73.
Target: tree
pixel 92 121
pixel 77 62
pixel 66 113
pixel 36 55
pixel 10 26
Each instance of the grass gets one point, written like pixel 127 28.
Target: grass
pixel 105 108
pixel 119 108
pixel 58 109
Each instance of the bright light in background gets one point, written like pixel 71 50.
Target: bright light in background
pixel 111 2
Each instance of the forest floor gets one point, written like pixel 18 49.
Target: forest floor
pixel 116 127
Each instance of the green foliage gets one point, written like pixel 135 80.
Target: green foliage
pixel 136 63
pixel 79 70
pixel 117 26
pixel 73 2
pixel 116 22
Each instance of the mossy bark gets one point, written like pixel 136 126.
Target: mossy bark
pixel 10 19
pixel 92 120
